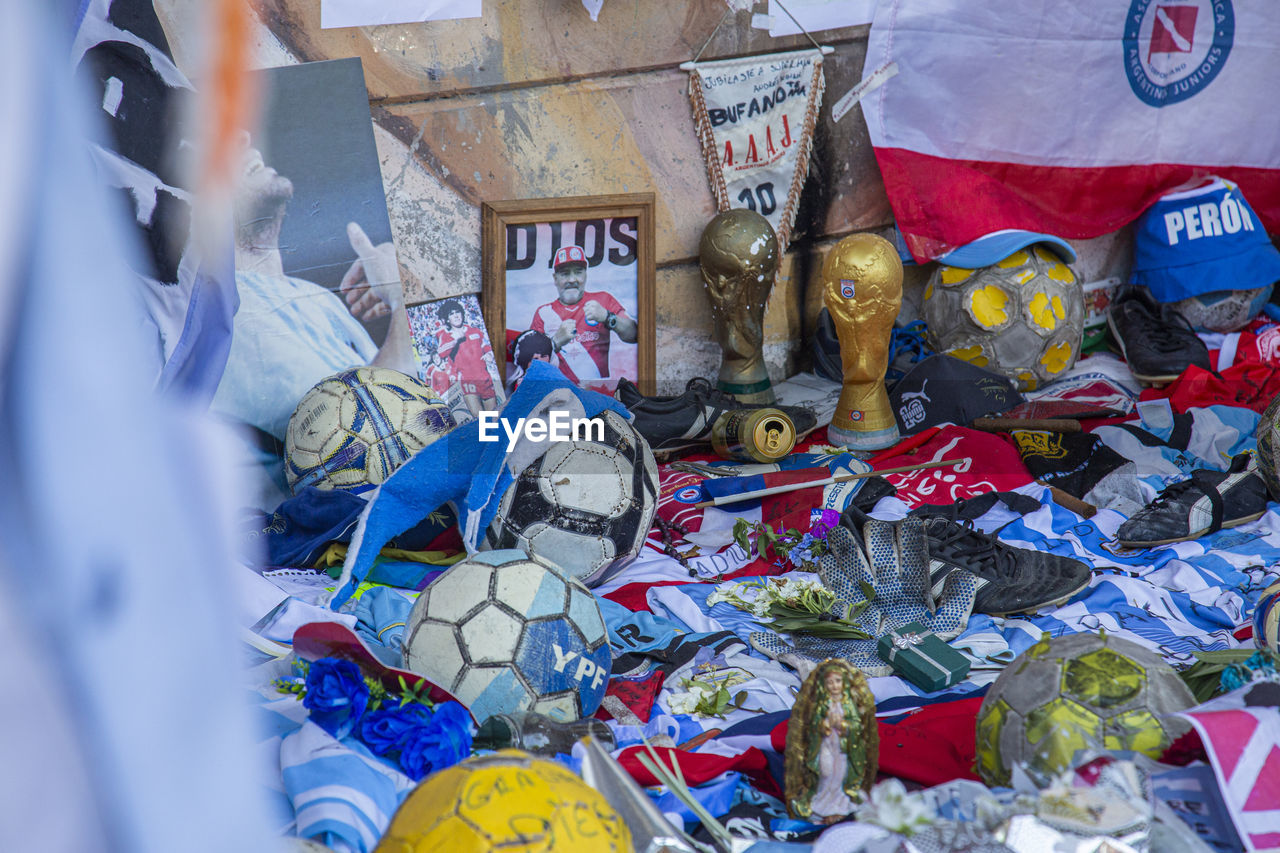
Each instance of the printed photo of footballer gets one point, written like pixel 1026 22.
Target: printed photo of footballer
pixel 576 283
pixel 452 344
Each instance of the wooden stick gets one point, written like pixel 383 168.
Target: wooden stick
pixel 1010 424
pixel 1071 502
pixel 795 487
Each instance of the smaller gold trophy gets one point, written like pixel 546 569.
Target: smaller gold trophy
pixel 862 288
pixel 739 257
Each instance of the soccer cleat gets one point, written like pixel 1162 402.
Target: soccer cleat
pixel 1155 340
pixel 1205 502
pixel 1010 580
pixel 684 421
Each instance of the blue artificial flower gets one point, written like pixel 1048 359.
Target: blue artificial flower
pixel 441 743
pixel 386 730
pixel 336 695
pixel 1233 678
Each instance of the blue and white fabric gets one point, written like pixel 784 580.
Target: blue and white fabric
pixel 1166 447
pixel 343 795
pixel 1175 599
pixel 636 632
pixel 464 471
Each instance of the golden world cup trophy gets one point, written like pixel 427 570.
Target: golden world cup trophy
pixel 862 288
pixel 739 257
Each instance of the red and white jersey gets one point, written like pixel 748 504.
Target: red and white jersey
pixel 594 338
pixel 440 379
pixel 463 348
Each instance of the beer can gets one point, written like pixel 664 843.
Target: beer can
pixel 753 435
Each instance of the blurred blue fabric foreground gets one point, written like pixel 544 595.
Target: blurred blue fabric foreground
pixel 121 723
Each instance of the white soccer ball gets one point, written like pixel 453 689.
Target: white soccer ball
pixel 1023 317
pixel 354 428
pixel 1223 310
pixel 585 506
pixel 504 633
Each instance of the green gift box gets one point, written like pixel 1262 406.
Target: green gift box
pixel 921 657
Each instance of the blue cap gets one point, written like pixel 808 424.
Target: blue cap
pixel 1202 241
pixel 998 245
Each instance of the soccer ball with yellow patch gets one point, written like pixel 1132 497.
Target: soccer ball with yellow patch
pixel 1023 317
pixel 1077 692
pixel 507 801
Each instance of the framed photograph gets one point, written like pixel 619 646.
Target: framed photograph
pixel 571 281
pixel 453 347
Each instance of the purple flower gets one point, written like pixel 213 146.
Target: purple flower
pixel 829 521
pixel 386 730
pixel 441 743
pixel 336 695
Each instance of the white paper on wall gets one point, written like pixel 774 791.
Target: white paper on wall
pixel 369 13
pixel 815 15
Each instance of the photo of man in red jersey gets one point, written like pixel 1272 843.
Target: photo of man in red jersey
pixel 579 322
pixel 453 347
pixel 464 348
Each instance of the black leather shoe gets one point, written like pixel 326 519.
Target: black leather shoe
pixel 1154 339
pixel 684 421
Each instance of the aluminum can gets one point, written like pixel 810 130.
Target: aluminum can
pixel 753 435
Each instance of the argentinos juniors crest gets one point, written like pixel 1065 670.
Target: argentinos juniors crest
pixel 1173 50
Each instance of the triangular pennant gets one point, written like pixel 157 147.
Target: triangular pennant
pixel 1265 795
pixel 755 117
pixel 1228 733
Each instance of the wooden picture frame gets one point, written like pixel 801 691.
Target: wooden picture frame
pixel 519 239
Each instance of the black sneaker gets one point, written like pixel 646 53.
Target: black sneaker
pixel 1205 502
pixel 1010 580
pixel 1154 339
pixel 683 422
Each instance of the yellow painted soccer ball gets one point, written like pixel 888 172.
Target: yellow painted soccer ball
pixel 1023 317
pixel 1076 692
pixel 508 801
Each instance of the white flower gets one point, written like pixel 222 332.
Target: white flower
pixel 891 807
pixel 682 703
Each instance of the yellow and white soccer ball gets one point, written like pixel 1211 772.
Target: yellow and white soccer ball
pixel 507 801
pixel 1023 317
pixel 354 428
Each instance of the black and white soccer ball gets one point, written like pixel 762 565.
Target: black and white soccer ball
pixel 584 506
pixel 504 633
pixel 354 428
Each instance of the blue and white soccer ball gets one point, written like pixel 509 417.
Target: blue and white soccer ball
pixel 354 428
pixel 504 633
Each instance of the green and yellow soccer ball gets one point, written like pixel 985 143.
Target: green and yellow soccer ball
pixel 1023 317
pixel 507 801
pixel 1268 455
pixel 1078 692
